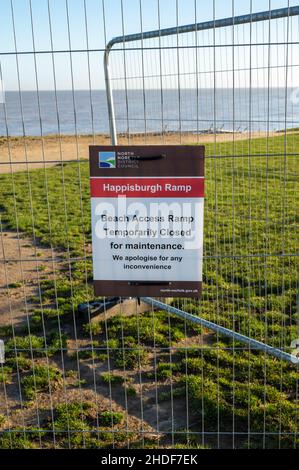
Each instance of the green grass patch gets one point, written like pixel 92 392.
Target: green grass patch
pixel 41 378
pixel 111 418
pixel 250 220
pixel 112 379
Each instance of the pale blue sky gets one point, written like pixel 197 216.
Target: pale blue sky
pixel 97 11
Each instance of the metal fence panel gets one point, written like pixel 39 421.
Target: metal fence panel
pixel 219 371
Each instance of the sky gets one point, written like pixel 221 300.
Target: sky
pixel 82 24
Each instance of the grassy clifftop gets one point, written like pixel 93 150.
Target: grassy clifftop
pixel 250 282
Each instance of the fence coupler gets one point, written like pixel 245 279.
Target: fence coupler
pixel 97 306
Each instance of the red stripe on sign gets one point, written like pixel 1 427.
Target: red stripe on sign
pixel 147 187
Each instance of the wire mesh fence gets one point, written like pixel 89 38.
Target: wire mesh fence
pixel 119 373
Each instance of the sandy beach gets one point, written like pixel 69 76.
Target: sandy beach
pixel 19 153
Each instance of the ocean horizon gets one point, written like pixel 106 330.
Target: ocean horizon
pixel 186 110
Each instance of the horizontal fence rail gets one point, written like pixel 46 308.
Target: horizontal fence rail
pixel 252 343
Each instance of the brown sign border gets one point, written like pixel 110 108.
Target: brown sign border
pixel 183 160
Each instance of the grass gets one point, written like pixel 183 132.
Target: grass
pixel 164 371
pixel 36 346
pixel 41 378
pixel 74 424
pixel 250 285
pixel 19 439
pixel 72 416
pixel 2 420
pixel 111 418
pixel 148 329
pixel 81 418
pixel 15 285
pixel 111 379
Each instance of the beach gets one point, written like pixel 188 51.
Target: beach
pixel 22 153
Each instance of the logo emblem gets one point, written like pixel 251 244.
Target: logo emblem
pixel 107 160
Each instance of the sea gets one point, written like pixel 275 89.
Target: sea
pixel 204 110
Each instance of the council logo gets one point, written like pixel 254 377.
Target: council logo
pixel 107 160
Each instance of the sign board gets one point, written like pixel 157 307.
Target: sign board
pixel 147 205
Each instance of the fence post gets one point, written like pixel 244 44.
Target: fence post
pixel 110 102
